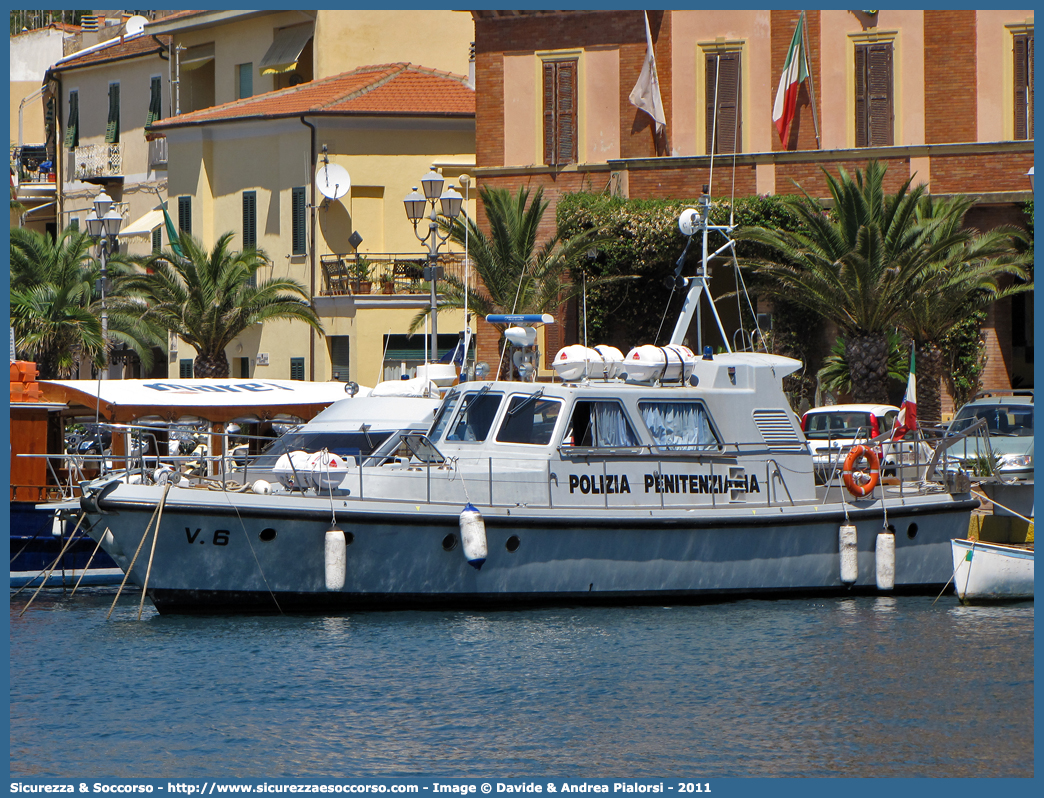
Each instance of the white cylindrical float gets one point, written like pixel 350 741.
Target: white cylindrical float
pixel 473 535
pixel 885 560
pixel 849 554
pixel 336 556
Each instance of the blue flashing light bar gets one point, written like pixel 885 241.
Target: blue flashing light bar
pixel 520 318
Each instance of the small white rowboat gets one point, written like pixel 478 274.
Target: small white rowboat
pixel 991 571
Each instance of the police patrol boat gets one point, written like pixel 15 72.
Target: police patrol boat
pixel 657 476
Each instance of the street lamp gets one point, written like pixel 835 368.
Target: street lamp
pixel 103 225
pixel 449 201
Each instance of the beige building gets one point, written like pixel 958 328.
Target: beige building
pixel 259 167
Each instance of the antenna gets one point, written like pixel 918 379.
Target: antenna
pixel 332 180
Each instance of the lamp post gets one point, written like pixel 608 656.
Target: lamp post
pixel 449 201
pixel 103 225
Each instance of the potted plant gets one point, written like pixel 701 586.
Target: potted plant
pixel 360 274
pixel 387 283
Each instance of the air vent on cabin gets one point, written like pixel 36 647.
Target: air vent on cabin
pixel 777 428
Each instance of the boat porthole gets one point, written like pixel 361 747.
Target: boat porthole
pixel 512 543
pixel 349 538
pixel 449 543
pixel 267 535
pixel 911 531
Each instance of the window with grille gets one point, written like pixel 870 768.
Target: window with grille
pixel 112 128
pixel 1024 86
pixel 560 112
pixel 297 368
pixel 72 127
pixel 297 221
pixel 185 214
pixel 186 368
pixel 723 102
pixel 244 80
pixel 155 101
pixel 873 95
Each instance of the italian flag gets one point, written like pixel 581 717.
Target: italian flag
pixel 907 418
pixel 795 70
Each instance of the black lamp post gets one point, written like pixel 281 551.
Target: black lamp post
pixel 450 201
pixel 103 225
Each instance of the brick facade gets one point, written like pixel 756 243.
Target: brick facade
pixel 950 103
pixel 802 130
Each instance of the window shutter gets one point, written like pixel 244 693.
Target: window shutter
pixel 185 368
pixel 185 214
pixel 157 239
pixel 549 113
pixel 297 221
pixel 725 67
pixel 297 368
pixel 560 112
pixel 566 110
pixel 112 129
pixel 249 220
pixel 1023 87
pixel 879 95
pixel 860 97
pixel 340 357
pixel 72 128
pixel 155 102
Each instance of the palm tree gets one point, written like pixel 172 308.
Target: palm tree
pixel 857 266
pixel 207 297
pixel 56 304
pixel 964 278
pixel 516 276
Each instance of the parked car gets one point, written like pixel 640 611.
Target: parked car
pixel 1009 424
pixel 833 430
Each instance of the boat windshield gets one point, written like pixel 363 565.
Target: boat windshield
pixel 349 445
pixel 446 411
pixel 477 411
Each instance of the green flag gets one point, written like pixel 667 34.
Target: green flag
pixel 172 233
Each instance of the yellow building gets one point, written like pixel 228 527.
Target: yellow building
pixel 259 167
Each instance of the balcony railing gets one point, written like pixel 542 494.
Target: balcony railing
pixel 388 273
pixel 158 153
pixel 99 160
pixel 32 163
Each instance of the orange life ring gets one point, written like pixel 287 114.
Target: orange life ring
pixel 874 465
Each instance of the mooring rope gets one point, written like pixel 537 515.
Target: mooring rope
pixel 51 569
pixel 126 574
pixel 152 552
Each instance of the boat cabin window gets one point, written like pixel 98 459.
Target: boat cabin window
pixel 678 425
pixel 599 424
pixel 349 445
pixel 445 413
pixel 529 419
pixel 477 411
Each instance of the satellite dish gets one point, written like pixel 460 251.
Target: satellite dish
pixel 136 24
pixel 332 180
pixel 689 221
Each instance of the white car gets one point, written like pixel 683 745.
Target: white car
pixel 833 430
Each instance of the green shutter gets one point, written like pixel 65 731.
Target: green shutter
pixel 157 239
pixel 112 129
pixel 249 220
pixel 297 368
pixel 185 214
pixel 155 103
pixel 339 357
pixel 297 226
pixel 246 80
pixel 186 368
pixel 72 128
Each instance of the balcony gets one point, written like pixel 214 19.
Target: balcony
pixel 98 161
pixel 158 152
pixel 32 164
pixel 388 273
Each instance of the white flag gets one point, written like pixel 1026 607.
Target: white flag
pixel 646 92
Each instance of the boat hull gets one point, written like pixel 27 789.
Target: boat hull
pixel 986 572
pixel 38 545
pixel 248 554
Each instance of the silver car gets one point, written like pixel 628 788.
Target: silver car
pixel 1009 423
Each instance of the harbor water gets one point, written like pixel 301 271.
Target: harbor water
pixel 858 687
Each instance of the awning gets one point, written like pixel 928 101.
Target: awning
pixel 285 50
pixel 145 225
pixel 195 57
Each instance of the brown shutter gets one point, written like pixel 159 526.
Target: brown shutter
pixel 1024 87
pixel 860 97
pixel 728 92
pixel 566 108
pixel 549 112
pixel 879 95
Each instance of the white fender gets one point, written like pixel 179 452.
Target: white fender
pixel 885 560
pixel 336 555
pixel 473 535
pixel 849 554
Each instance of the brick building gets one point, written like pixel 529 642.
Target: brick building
pixel 946 96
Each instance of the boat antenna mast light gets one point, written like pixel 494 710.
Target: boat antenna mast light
pixel 690 222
